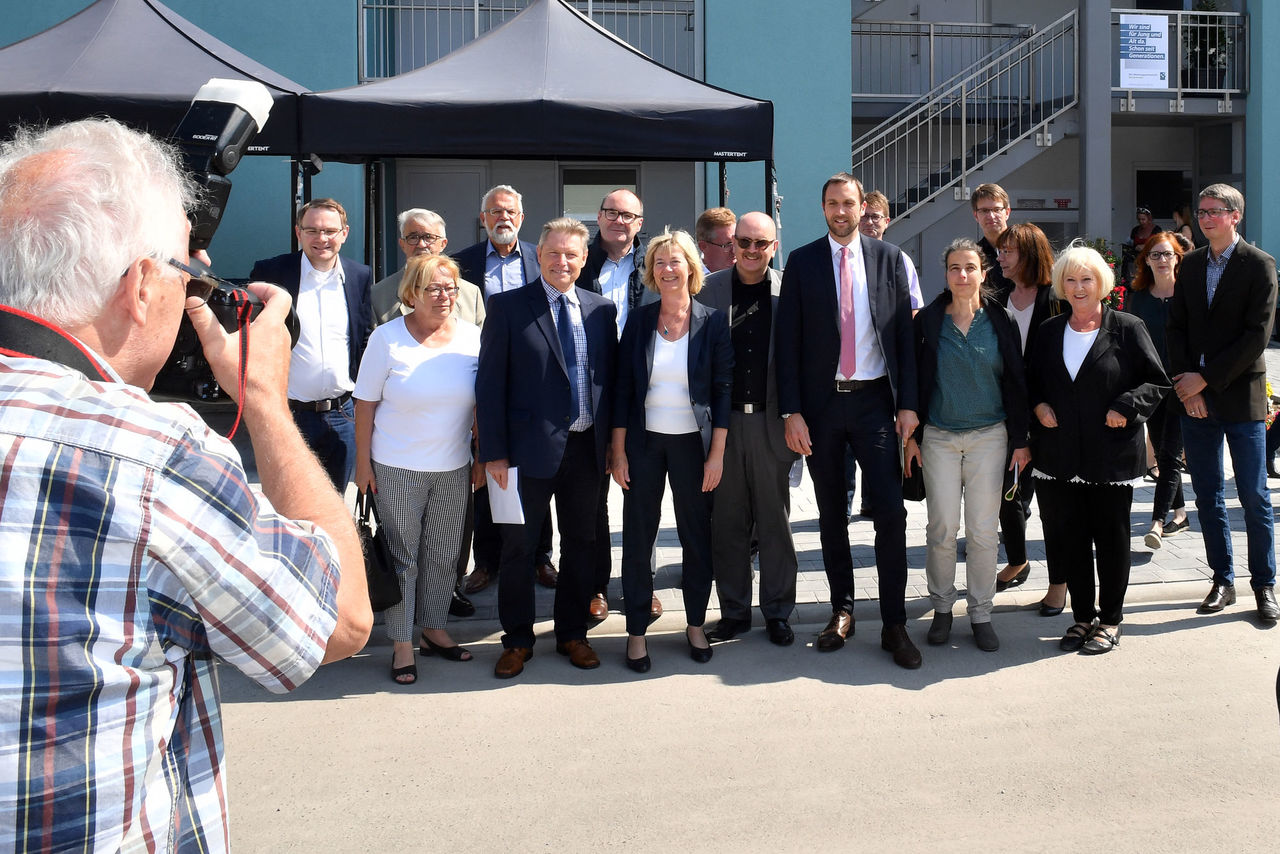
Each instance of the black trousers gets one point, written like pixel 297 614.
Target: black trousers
pixel 485 538
pixel 862 420
pixel 1013 521
pixel 679 459
pixel 576 488
pixel 1165 429
pixel 1082 520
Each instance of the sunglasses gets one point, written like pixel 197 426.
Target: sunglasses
pixel 748 243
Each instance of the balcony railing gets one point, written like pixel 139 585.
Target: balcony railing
pixel 1208 52
pixel 903 59
pixel 400 35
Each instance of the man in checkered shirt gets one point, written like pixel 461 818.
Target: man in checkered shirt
pixel 133 551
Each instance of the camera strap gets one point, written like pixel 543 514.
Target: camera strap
pixel 244 309
pixel 29 337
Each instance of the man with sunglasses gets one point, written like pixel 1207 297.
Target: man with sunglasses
pixel 422 232
pixel 331 296
pixel 1220 318
pixel 136 552
pixel 754 492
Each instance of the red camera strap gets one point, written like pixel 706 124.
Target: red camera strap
pixel 243 310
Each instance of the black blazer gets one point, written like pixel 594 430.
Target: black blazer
pixel 286 272
pixel 807 328
pixel 710 371
pixel 1047 305
pixel 1121 371
pixel 1231 334
pixel 524 404
pixel 471 262
pixel 1013 388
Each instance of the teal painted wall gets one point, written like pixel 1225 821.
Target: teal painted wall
pixel 316 49
pixel 763 49
pixel 1262 129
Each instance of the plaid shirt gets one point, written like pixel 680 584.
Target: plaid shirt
pixel 132 553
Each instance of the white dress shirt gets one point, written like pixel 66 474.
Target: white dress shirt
pixel 320 367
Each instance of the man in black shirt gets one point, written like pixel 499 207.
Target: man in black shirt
pixel 990 205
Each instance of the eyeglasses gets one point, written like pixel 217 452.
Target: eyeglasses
pixel 499 213
pixel 992 211
pixel 422 237
pixel 759 245
pixel 201 284
pixel 326 233
pixel 724 246
pixel 1162 256
pixel 1205 213
pixel 1141 211
pixel 437 291
pixel 626 216
pixel 873 217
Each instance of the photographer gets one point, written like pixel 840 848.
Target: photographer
pixel 135 551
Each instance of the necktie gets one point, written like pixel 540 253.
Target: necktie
pixel 565 328
pixel 848 343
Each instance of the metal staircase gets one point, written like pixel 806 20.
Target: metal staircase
pixel 978 126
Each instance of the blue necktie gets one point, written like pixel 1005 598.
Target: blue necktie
pixel 565 327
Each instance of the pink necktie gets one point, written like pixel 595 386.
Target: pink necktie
pixel 848 341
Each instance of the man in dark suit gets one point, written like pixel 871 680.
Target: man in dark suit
pixel 754 490
pixel 846 367
pixel 501 262
pixel 547 355
pixel 1219 320
pixel 331 297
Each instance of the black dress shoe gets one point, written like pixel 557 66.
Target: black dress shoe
pixel 832 637
pixel 728 628
pixel 985 637
pixel 779 632
pixel 1220 596
pixel 461 606
pixel 940 628
pixel 1268 610
pixel 700 654
pixel 895 639
pixel 1016 581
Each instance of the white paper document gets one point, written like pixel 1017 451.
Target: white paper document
pixel 505 503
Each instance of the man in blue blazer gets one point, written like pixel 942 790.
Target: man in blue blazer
pixel 845 359
pixel 543 400
pixel 332 298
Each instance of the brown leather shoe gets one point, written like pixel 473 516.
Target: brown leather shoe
pixel 655 608
pixel 479 579
pixel 895 639
pixel 547 575
pixel 580 654
pixel 832 637
pixel 599 607
pixel 511 663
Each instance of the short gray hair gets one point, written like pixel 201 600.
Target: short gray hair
pixel 431 218
pixel 80 203
pixel 501 188
pixel 1232 198
pixel 564 225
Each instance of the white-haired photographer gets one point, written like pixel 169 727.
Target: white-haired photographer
pixel 133 552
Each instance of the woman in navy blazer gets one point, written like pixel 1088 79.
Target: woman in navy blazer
pixel 1093 379
pixel 670 420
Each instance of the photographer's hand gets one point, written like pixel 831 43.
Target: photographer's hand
pixel 267 375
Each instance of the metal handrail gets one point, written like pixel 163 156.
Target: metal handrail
pixel 869 53
pixel 1222 36
pixel 1003 100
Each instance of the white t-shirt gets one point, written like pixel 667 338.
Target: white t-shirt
pixel 1022 316
pixel 1075 346
pixel 666 406
pixel 426 396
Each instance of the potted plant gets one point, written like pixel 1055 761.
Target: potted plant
pixel 1207 48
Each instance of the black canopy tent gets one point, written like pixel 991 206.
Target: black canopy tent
pixel 136 61
pixel 547 84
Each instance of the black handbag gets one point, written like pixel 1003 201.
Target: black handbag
pixel 379 566
pixel 913 487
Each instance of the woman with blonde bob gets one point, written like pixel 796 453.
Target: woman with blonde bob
pixel 670 420
pixel 415 414
pixel 1093 378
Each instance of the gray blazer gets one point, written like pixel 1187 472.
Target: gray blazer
pixel 386 301
pixel 717 293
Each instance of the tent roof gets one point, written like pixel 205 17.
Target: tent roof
pixel 136 61
pixel 548 84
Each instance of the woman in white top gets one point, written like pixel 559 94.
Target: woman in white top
pixel 670 420
pixel 415 413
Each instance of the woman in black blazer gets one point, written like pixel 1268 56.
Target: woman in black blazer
pixel 1026 259
pixel 670 420
pixel 1094 378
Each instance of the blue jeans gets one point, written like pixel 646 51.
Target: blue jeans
pixel 1202 438
pixel 332 435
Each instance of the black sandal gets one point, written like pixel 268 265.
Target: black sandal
pixel 450 653
pixel 407 670
pixel 1076 636
pixel 1102 640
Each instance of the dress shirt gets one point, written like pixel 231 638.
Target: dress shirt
pixel 502 274
pixel 320 365
pixel 583 421
pixel 135 553
pixel 870 359
pixel 913 283
pixel 1214 266
pixel 750 321
pixel 614 280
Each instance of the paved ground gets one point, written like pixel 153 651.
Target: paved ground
pixel 1168 744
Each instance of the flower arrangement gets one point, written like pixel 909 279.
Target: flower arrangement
pixel 1115 299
